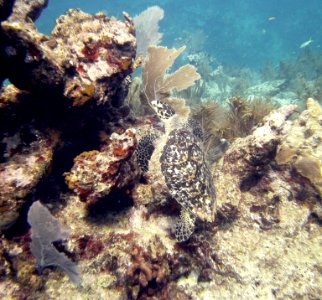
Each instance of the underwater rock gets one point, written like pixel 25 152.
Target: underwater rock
pixel 262 243
pixel 26 10
pixel 248 156
pixel 131 256
pixel 17 264
pixel 265 89
pixel 9 95
pixel 270 242
pixel 99 53
pixel 96 173
pixel 27 156
pixel 302 148
pixel 86 57
pixel 13 106
pixel 27 63
pixel 5 268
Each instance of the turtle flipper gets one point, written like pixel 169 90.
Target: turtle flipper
pixel 185 226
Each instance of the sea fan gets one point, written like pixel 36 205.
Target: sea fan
pixel 45 230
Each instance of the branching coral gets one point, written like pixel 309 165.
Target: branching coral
pixel 224 124
pixel 244 114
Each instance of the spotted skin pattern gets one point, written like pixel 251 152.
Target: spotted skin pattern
pixel 163 110
pixel 187 175
pixel 195 127
pixel 185 225
pixel 145 150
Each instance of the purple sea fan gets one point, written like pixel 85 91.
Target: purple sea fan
pixel 45 230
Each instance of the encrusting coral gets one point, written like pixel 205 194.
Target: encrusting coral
pixel 95 173
pixel 272 202
pixel 27 157
pixel 85 58
pixel 51 75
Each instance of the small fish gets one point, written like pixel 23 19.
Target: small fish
pixel 271 18
pixel 305 44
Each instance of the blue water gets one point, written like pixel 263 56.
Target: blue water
pixel 244 33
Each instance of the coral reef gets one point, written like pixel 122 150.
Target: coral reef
pixel 277 209
pixel 100 54
pixel 6 9
pixel 88 64
pixel 51 75
pixel 27 156
pixel 248 156
pixel 95 173
pixel 302 148
pixel 237 182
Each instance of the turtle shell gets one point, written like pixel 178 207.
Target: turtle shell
pixel 187 175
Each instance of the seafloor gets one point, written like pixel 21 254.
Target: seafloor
pixel 218 199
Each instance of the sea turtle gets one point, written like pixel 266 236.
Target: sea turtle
pixel 188 179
